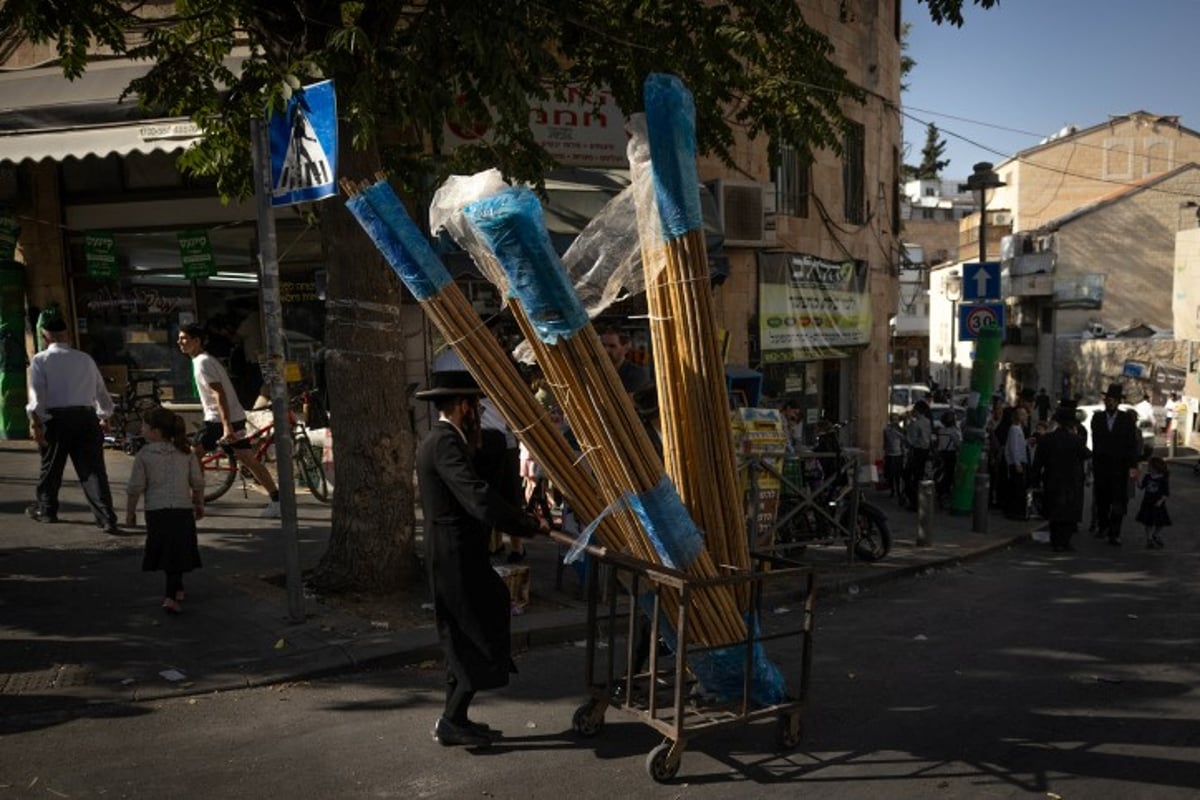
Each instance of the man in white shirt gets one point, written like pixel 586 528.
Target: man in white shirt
pixel 224 417
pixel 67 403
pixel 1145 409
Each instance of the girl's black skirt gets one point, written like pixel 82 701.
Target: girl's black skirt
pixel 171 541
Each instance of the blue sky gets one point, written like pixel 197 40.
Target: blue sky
pixel 1024 69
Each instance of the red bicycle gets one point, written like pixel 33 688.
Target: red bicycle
pixel 221 469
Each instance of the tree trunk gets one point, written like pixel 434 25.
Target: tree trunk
pixel 371 544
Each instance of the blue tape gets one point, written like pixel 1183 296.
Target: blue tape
pixel 721 670
pixel 671 127
pixel 510 223
pixel 384 218
pixel 668 525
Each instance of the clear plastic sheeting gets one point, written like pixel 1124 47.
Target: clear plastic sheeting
pixel 445 213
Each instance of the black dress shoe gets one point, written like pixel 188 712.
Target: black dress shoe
pixel 36 514
pixel 484 728
pixel 449 733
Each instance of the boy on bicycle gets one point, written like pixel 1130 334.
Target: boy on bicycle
pixel 224 417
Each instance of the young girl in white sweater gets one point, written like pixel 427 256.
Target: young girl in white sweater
pixel 168 474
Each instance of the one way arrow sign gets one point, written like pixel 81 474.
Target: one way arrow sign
pixel 981 281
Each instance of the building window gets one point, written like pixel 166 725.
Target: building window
pixel 1118 159
pixel 928 213
pixel 1046 320
pixel 930 191
pixel 1160 155
pixel 854 173
pixel 793 178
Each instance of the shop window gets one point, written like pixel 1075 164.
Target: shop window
pixel 854 173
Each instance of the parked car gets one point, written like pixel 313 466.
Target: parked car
pixel 939 409
pixel 904 395
pixel 1145 425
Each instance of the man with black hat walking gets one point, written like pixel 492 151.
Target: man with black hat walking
pixel 67 401
pixel 471 602
pixel 1058 463
pixel 1116 448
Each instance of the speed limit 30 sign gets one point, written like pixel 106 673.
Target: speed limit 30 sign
pixel 973 317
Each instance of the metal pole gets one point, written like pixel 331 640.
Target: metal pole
pixel 953 348
pixel 982 225
pixel 273 369
pixel 979 517
pixel 924 513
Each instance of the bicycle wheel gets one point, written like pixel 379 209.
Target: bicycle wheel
pixel 310 469
pixel 874 535
pixel 219 469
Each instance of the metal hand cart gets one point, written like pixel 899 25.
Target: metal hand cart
pixel 667 696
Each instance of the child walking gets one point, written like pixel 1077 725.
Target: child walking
pixel 168 474
pixel 1156 488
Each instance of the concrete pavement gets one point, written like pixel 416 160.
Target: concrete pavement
pixel 81 624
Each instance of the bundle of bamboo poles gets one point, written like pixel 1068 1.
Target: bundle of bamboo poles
pixel 693 400
pixel 600 412
pixel 382 215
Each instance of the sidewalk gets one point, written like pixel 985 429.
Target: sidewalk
pixel 81 624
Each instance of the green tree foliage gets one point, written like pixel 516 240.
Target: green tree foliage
pixel 932 163
pixel 403 71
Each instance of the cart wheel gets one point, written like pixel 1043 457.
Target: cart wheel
pixel 791 731
pixel 588 719
pixel 662 763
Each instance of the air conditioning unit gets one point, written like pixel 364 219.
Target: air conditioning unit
pixel 747 212
pixel 1002 218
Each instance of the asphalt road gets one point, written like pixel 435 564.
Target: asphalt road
pixel 1023 674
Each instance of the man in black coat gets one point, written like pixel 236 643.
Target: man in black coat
pixel 1058 468
pixel 1116 448
pixel 471 602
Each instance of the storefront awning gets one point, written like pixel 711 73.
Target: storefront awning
pixel 43 115
pixel 145 136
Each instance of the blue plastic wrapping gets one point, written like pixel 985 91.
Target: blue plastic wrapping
pixel 671 124
pixel 721 670
pixel 510 223
pixel 384 218
pixel 668 524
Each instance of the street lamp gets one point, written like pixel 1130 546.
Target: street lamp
pixel 952 291
pixel 982 179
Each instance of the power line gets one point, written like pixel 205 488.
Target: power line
pixel 1058 170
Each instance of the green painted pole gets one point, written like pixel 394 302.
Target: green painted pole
pixel 14 422
pixel 983 378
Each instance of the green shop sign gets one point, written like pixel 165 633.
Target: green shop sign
pixel 195 251
pixel 9 230
pixel 100 253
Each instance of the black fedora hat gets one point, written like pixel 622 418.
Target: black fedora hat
pixel 1116 391
pixel 451 383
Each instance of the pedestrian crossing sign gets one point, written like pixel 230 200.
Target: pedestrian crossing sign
pixel 304 147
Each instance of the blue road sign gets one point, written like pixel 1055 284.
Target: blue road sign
pixel 974 316
pixel 981 281
pixel 304 147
